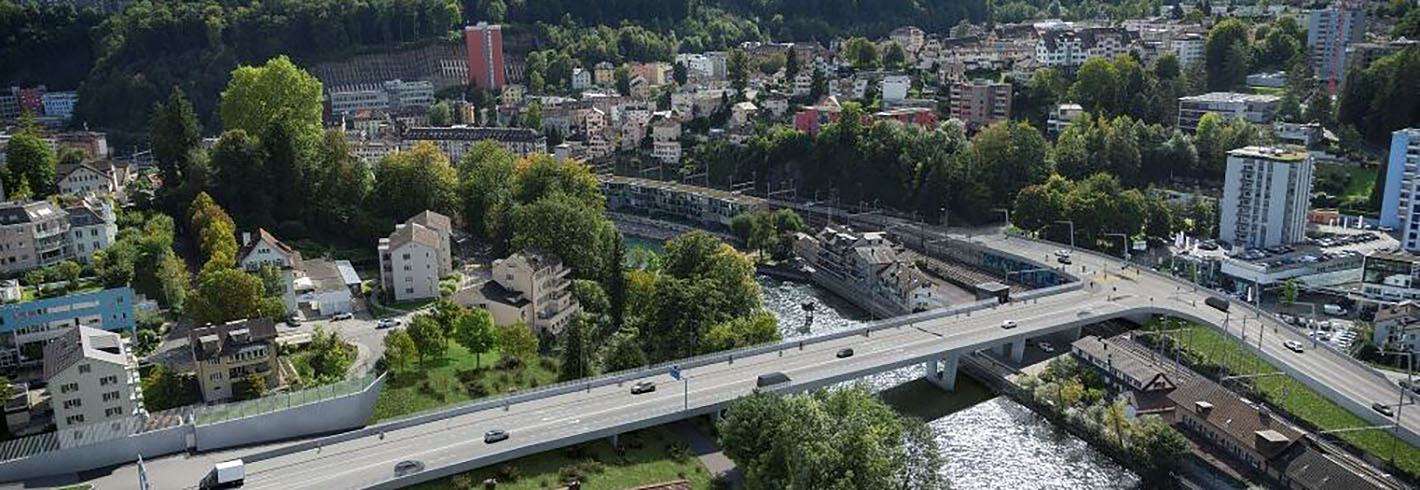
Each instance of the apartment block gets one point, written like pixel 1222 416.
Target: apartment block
pixel 1329 32
pixel 531 287
pixel 93 226
pixel 980 103
pixel 32 235
pixel 456 141
pixel 92 378
pixel 1253 108
pixel 229 354
pixel 388 96
pixel 1266 196
pixel 486 68
pixel 415 256
pixel 669 200
pixel 1400 204
pixel 25 327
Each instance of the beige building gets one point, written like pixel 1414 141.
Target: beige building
pixel 228 354
pixel 32 235
pixel 415 256
pixel 530 287
pixel 92 377
pixel 980 103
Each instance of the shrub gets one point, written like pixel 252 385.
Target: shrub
pixel 678 452
pixel 508 473
pixel 508 363
pixel 477 389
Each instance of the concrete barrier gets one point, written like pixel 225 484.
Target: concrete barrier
pixel 98 455
pixel 323 417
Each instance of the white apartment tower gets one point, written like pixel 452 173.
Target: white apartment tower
pixel 1266 196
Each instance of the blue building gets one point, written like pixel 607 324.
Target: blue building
pixel 25 327
pixel 1400 206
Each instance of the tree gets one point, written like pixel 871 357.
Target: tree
pixel 919 461
pixel 224 294
pixel 622 75
pixel 172 280
pixel 251 387
pixel 573 353
pixel 400 349
pixel 894 57
pixel 29 163
pixel 439 114
pixel 791 63
pixel 485 180
pixel 861 53
pixel 516 340
pixel 175 134
pixel 758 328
pixel 474 331
pixel 1289 109
pixel 428 337
pixel 1161 450
pixel 1289 292
pixel 1226 54
pixel 278 92
pixel 1096 87
pixel 1319 109
pixel 738 69
pixel 330 356
pixel 1009 156
pixel 623 352
pixel 566 226
pixel 410 182
pixel 616 282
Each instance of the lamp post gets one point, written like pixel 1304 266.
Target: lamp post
pixel 1400 404
pixel 1007 212
pixel 1072 231
pixel 1123 244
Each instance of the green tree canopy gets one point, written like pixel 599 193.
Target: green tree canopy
pixel 278 92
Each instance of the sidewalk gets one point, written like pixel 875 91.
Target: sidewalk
pixel 708 451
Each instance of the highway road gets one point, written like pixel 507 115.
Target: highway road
pixel 455 443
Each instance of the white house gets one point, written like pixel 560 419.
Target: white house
pixel 415 256
pixel 895 87
pixel 92 378
pixel 265 249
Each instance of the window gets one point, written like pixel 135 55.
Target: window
pixel 84 369
pixel 74 419
pixel 111 396
pixel 215 377
pixel 65 388
pixel 113 411
pixel 73 403
pixel 108 380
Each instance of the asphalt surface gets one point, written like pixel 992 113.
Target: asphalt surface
pixel 574 417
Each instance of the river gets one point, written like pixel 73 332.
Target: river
pixel 987 442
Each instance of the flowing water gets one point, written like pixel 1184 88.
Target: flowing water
pixel 988 442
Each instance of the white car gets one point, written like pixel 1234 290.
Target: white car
pixel 1045 347
pixel 1062 253
pixel 1294 346
pixel 1008 324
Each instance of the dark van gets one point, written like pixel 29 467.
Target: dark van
pixel 769 380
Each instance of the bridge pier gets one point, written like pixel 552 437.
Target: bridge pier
pixel 615 440
pixel 1076 333
pixel 1018 350
pixel 942 372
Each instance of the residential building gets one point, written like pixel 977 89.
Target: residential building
pixel 391 95
pixel 530 287
pixel 1060 48
pixel 32 235
pixel 919 116
pixel 415 256
pixel 92 377
pixel 325 288
pixel 92 227
pixel 867 269
pixel 229 355
pixel 1400 203
pixel 10 291
pixel 486 69
pixel 1188 48
pixel 59 104
pixel 32 323
pixel 1397 325
pixel 581 79
pixel 811 119
pixel 895 87
pixel 264 249
pixel 1391 277
pixel 1266 196
pixel 665 140
pixel 699 206
pixel 980 103
pixel 1064 116
pixel 1253 108
pixel 1329 31
pixel 604 74
pixel 456 141
pixel 94 177
pixel 1125 367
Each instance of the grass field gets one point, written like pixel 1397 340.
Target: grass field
pixel 1216 348
pixel 652 456
pixel 454 379
pixel 1359 181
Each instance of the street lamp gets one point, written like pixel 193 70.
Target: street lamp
pixel 1008 216
pixel 1072 231
pixel 1123 244
pixel 1400 404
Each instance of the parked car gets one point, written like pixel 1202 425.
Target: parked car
pixel 845 353
pixel 1062 253
pixel 1045 347
pixel 643 387
pixel 1064 260
pixel 389 323
pixel 344 315
pixel 1294 346
pixel 406 468
pixel 1383 409
pixel 495 435
pixel 1008 324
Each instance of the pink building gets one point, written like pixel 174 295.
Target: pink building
pixel 485 56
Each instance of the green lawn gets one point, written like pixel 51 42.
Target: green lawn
pixel 448 381
pixel 649 459
pixel 1359 182
pixel 1296 398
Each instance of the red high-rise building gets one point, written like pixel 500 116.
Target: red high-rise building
pixel 485 56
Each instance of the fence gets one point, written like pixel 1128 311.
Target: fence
pixel 281 401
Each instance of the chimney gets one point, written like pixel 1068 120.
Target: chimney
pixel 1203 408
pixel 246 238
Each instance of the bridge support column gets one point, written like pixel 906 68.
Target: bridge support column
pixel 943 372
pixel 615 440
pixel 1018 350
pixel 1076 333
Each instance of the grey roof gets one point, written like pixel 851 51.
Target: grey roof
pixel 347 272
pixel 80 343
pixel 1244 421
pixel 434 221
pixel 259 331
pixel 413 233
pixel 13 212
pixel 496 293
pixel 263 235
pixel 325 275
pixel 522 135
pixel 1315 467
pixel 1126 362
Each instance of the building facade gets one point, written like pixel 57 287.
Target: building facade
pixel 1400 204
pixel 26 326
pixel 530 287
pixel 1253 108
pixel 1266 196
pixel 486 69
pixel 712 208
pixel 458 140
pixel 231 354
pixel 415 256
pixel 92 377
pixel 981 103
pixel 1329 32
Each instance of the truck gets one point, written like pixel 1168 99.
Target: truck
pixel 227 474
